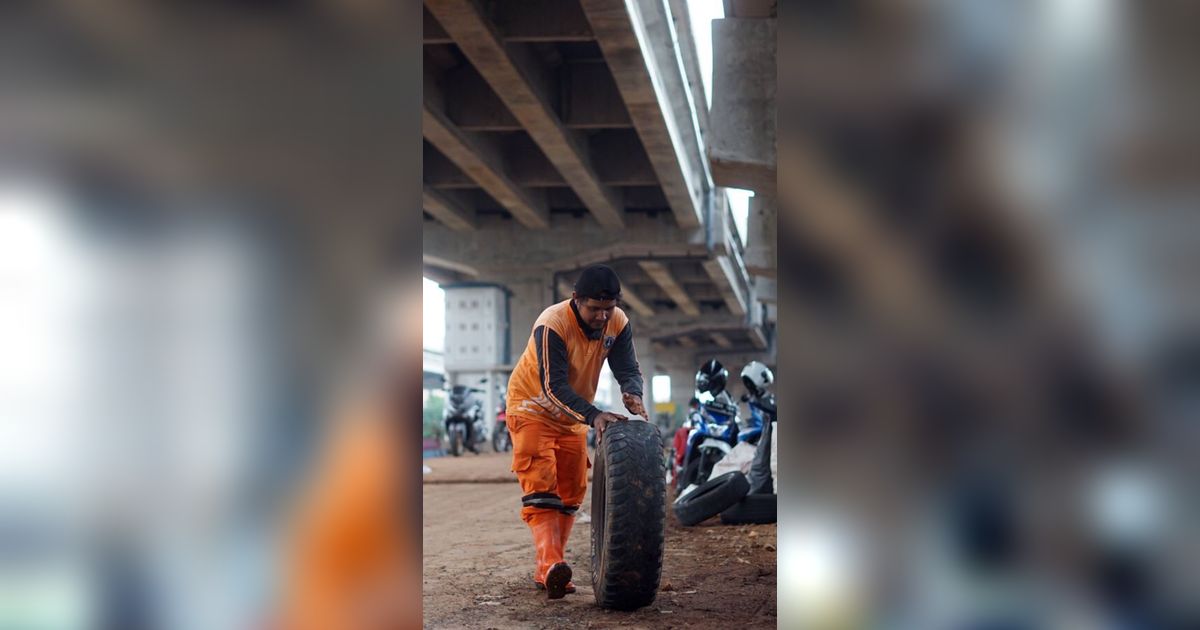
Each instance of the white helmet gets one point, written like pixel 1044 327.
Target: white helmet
pixel 757 377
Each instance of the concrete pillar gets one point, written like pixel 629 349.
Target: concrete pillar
pixel 683 385
pixel 647 361
pixel 742 137
pixel 530 295
pixel 760 256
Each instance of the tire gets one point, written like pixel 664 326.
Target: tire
pixel 688 476
pixel 500 440
pixel 756 509
pixel 456 443
pixel 707 461
pixel 629 516
pixel 711 498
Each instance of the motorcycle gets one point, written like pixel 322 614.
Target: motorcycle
pixel 714 425
pixel 463 419
pixel 501 441
pixel 757 378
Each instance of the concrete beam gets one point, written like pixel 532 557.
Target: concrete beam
pixel 480 162
pixel 636 302
pixel 472 104
pixel 630 250
pixel 448 211
pixel 431 260
pixel 721 270
pixel 750 8
pixel 758 337
pixel 519 81
pixel 541 21
pixel 626 39
pixel 618 157
pixel 592 99
pixel 526 21
pixel 563 247
pixel 742 143
pixel 680 13
pixel 432 32
pixel 589 100
pixel 661 275
pixel 694 326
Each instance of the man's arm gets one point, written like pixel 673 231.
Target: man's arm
pixel 622 360
pixel 552 372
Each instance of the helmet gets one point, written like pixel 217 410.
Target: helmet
pixel 711 377
pixel 757 377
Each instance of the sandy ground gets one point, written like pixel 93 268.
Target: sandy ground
pixel 478 563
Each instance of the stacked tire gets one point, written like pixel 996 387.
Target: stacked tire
pixel 737 499
pixel 711 498
pixel 753 509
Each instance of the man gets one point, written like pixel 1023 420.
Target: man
pixel 550 409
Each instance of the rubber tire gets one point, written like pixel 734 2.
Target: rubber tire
pixel 687 475
pixel 501 442
pixel 753 509
pixel 711 498
pixel 456 443
pixel 629 515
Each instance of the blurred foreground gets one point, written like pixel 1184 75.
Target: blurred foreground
pixel 205 313
pixel 988 315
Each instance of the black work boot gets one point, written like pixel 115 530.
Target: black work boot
pixel 557 580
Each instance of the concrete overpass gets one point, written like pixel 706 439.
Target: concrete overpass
pixel 559 134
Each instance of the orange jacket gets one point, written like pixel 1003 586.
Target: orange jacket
pixel 556 377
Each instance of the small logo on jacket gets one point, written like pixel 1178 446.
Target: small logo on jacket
pixel 609 341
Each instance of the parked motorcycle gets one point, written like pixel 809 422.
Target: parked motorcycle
pixel 714 426
pixel 463 419
pixel 501 441
pixel 757 378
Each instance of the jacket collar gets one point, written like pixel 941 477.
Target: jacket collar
pixel 587 332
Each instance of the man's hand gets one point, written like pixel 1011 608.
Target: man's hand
pixel 635 405
pixel 603 419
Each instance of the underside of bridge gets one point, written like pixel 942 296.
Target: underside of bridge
pixel 559 134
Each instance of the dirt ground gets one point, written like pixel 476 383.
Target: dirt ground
pixel 478 563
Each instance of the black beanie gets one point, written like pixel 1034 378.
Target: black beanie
pixel 598 282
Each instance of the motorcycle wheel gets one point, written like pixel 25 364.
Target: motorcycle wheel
pixel 456 443
pixel 500 441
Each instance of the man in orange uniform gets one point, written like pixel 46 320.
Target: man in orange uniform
pixel 550 409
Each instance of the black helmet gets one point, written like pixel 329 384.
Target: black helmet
pixel 711 377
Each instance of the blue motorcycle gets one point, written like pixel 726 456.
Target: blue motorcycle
pixel 713 434
pixel 762 411
pixel 715 428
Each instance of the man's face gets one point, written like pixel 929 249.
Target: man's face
pixel 595 313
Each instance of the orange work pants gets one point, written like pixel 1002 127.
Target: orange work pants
pixel 551 466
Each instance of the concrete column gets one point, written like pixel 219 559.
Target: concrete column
pixel 530 295
pixel 760 256
pixel 646 360
pixel 742 137
pixel 683 382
